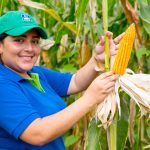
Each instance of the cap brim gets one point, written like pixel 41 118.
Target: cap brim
pixel 21 30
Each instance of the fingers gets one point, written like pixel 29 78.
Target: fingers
pixel 101 86
pixel 110 83
pixel 109 34
pixel 109 80
pixel 113 51
pixel 99 48
pixel 105 75
pixel 113 46
pixel 117 46
pixel 110 75
pixel 118 38
pixel 100 45
pixel 100 57
pixel 102 41
pixel 110 89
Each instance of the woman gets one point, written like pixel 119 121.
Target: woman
pixel 32 112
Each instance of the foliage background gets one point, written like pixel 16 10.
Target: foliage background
pixel 75 26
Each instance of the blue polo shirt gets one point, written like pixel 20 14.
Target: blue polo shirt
pixel 21 103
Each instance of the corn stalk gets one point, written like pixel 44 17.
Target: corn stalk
pixel 105 24
pixel 111 131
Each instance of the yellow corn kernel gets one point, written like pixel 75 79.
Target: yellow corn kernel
pixel 124 51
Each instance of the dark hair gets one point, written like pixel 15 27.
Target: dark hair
pixel 2 36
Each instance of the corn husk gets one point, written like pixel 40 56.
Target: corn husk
pixel 62 48
pixel 137 86
pixel 46 44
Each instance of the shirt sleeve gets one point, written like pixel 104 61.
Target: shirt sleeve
pixel 58 81
pixel 16 112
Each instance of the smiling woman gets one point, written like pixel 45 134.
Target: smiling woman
pixel 33 114
pixel 20 53
pixel 21 32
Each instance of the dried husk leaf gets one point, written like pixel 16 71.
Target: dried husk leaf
pixel 62 48
pixel 106 110
pixel 92 5
pixel 137 86
pixel 85 52
pixel 46 44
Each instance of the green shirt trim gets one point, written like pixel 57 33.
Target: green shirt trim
pixel 35 81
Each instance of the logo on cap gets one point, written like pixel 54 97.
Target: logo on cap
pixel 26 18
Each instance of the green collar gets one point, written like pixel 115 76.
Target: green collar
pixel 35 81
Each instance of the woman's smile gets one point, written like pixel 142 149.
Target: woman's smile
pixel 26 58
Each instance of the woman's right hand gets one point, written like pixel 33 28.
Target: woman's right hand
pixel 113 46
pixel 100 88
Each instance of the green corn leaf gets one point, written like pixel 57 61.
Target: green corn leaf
pixel 70 140
pixel 93 139
pixel 141 52
pixel 144 11
pixel 81 12
pixel 146 27
pixel 122 126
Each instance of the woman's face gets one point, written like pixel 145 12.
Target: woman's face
pixel 21 52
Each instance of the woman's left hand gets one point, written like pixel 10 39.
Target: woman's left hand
pixel 113 46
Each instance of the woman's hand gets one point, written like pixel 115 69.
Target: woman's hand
pixel 113 46
pixel 100 88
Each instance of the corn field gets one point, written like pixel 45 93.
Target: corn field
pixel 74 28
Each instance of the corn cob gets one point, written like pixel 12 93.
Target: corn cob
pixel 124 51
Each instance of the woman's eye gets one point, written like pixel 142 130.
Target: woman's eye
pixel 19 40
pixel 35 42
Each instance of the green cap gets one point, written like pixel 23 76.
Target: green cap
pixel 15 23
